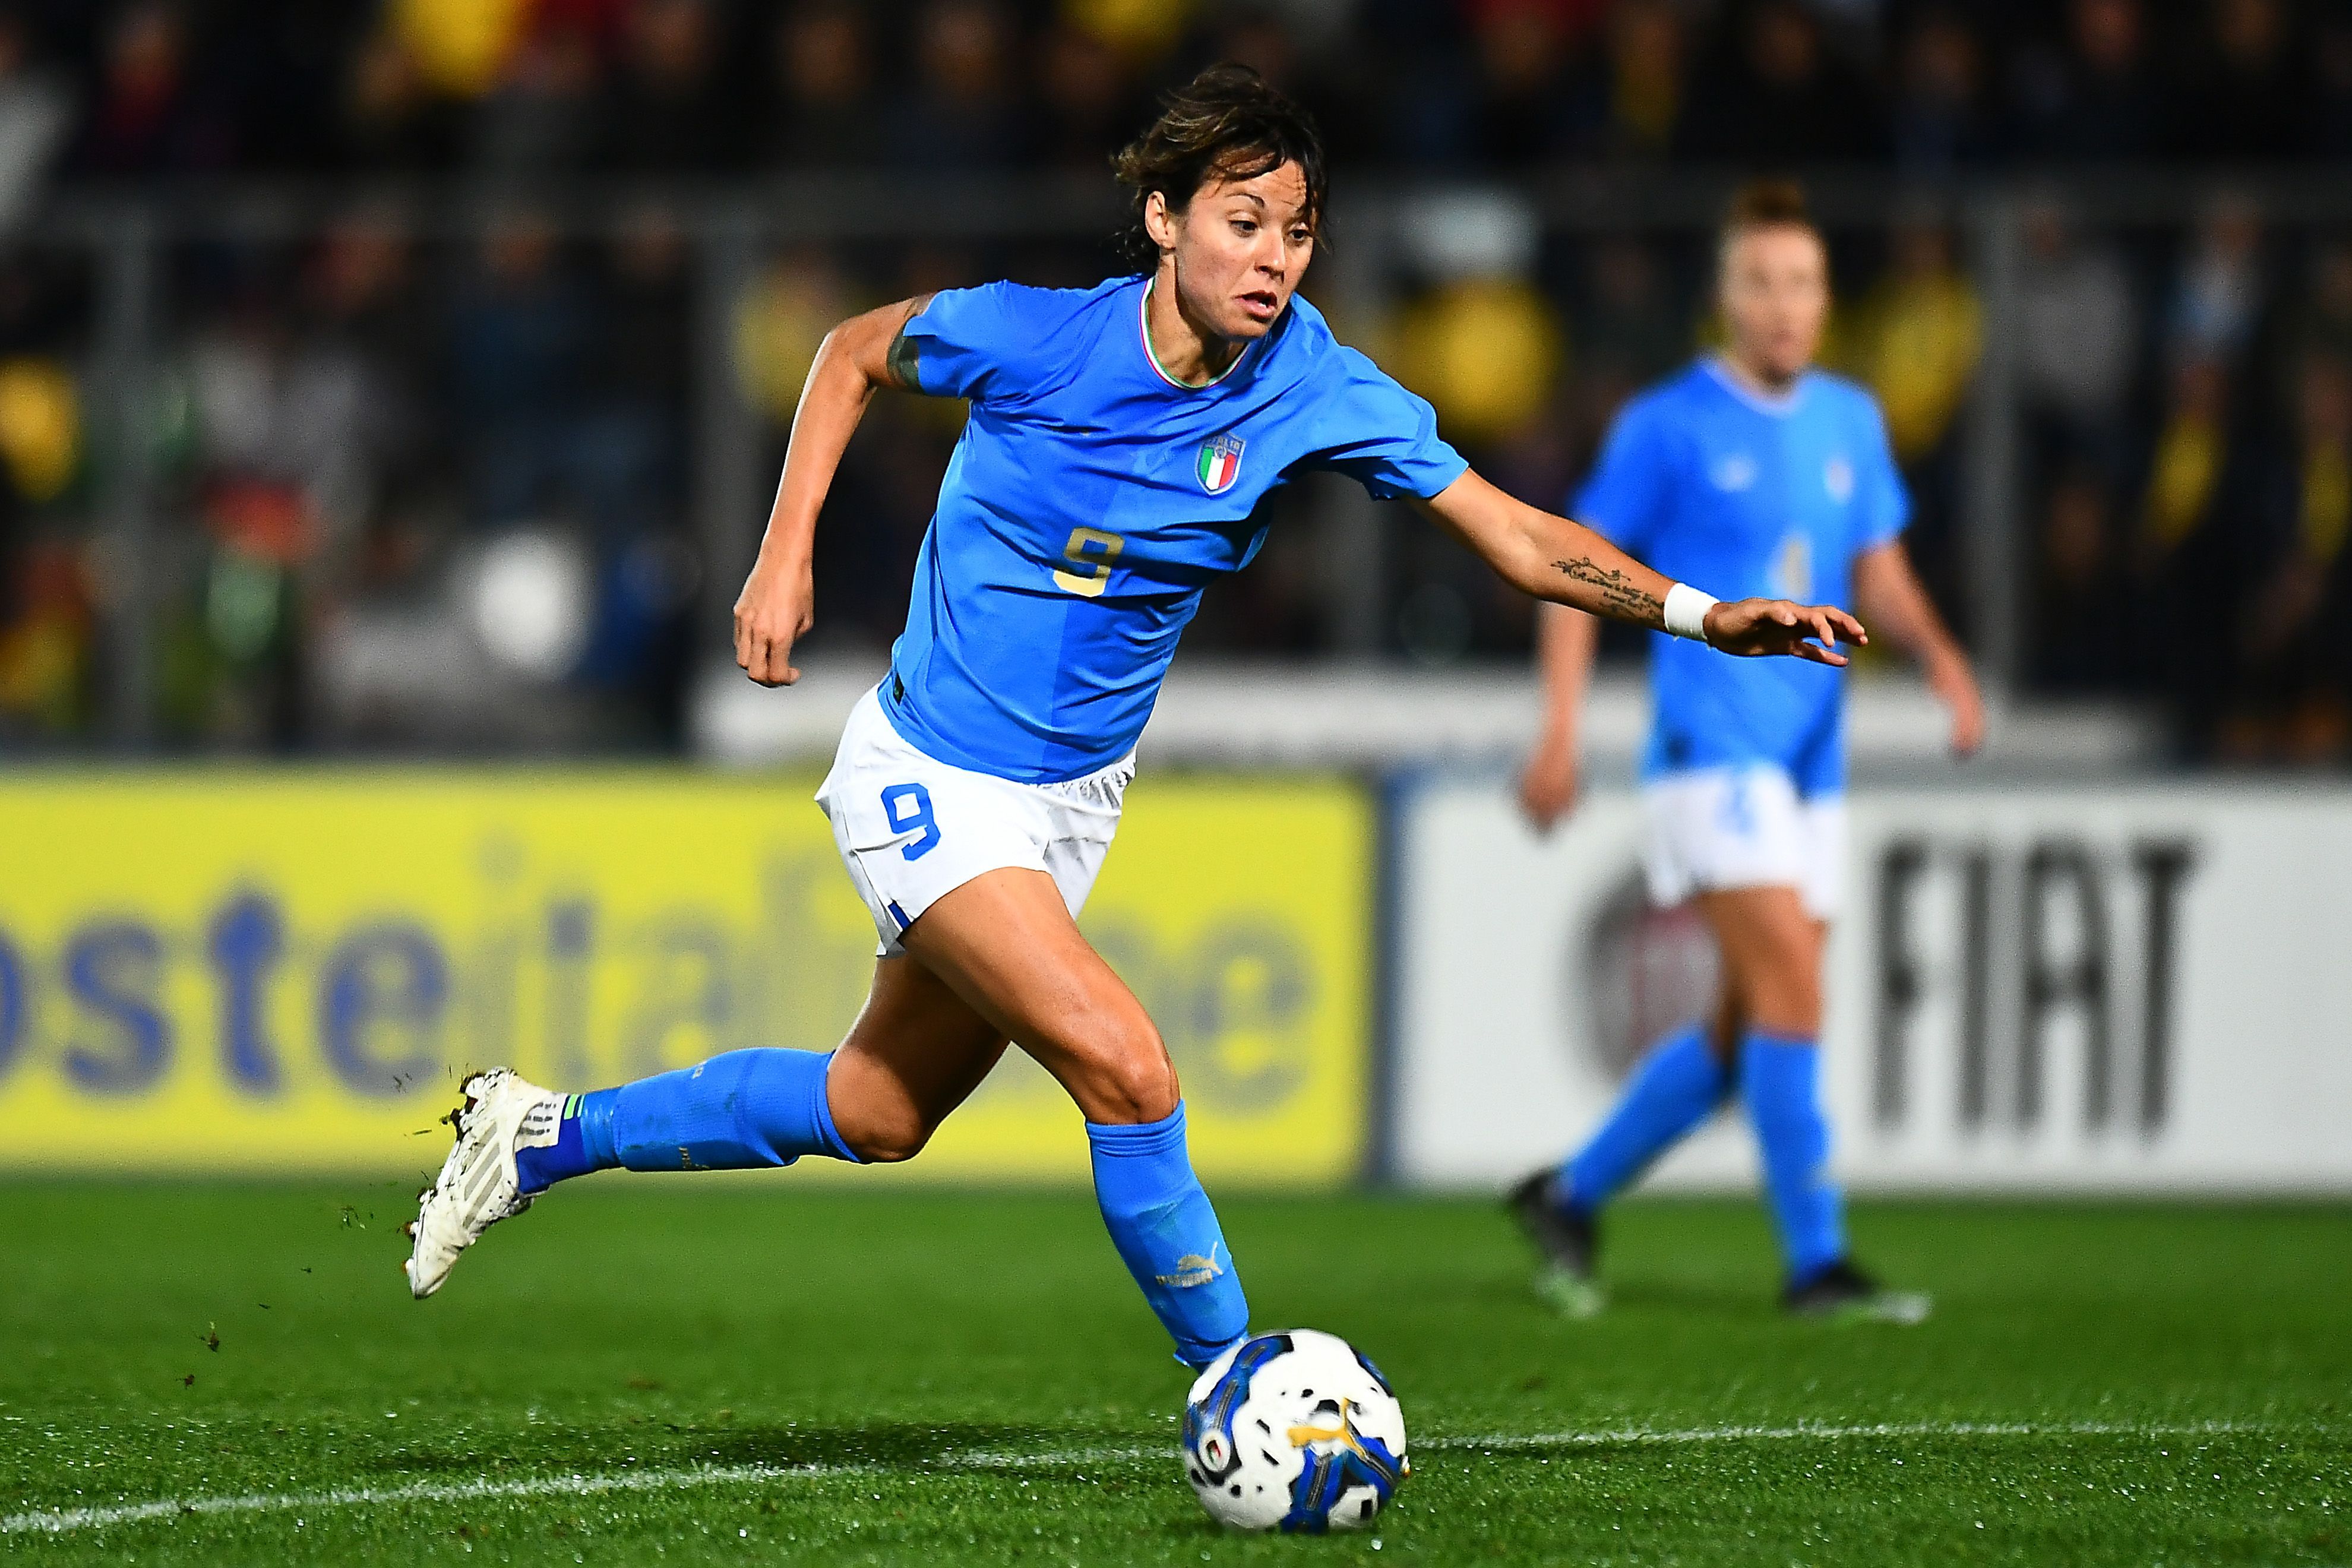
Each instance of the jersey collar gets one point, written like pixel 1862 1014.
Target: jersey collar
pixel 1779 405
pixel 1143 333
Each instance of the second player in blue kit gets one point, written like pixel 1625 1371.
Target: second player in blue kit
pixel 1119 441
pixel 1751 471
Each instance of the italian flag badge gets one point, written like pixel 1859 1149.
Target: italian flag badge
pixel 1220 463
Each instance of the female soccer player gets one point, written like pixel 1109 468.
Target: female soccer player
pixel 1119 441
pixel 1756 471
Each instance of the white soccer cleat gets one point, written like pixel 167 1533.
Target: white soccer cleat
pixel 477 1186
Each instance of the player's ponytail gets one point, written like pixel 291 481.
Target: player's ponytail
pixel 1225 123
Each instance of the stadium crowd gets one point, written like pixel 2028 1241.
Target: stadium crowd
pixel 143 88
pixel 336 419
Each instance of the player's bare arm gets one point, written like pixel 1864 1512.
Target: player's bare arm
pixel 1564 562
pixel 778 605
pixel 1566 643
pixel 1890 592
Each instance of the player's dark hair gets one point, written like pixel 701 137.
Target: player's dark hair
pixel 1224 124
pixel 1767 203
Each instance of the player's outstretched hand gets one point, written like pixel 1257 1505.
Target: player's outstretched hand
pixel 775 610
pixel 1752 628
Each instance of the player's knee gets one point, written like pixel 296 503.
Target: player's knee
pixel 880 1129
pixel 1126 1079
pixel 1777 981
pixel 1786 1001
pixel 888 1139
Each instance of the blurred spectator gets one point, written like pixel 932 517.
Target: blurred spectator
pixel 2097 101
pixel 1779 98
pixel 2295 686
pixel 2321 321
pixel 1915 338
pixel 1258 39
pixel 541 116
pixel 393 120
pixel 1631 332
pixel 292 414
pixel 2331 89
pixel 2083 640
pixel 2219 292
pixel 960 111
pixel 148 117
pixel 1141 31
pixel 2244 103
pixel 2185 472
pixel 1938 119
pixel 2077 337
pixel 1428 89
pixel 1480 342
pixel 664 112
pixel 1528 111
pixel 368 345
pixel 2186 566
pixel 36 116
pixel 633 453
pixel 46 630
pixel 632 439
pixel 823 114
pixel 298 416
pixel 1484 351
pixel 1084 110
pixel 778 325
pixel 40 427
pixel 461 47
pixel 1644 86
pixel 518 345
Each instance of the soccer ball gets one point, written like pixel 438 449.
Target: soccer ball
pixel 1297 1431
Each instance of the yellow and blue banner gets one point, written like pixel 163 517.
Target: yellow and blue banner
pixel 225 971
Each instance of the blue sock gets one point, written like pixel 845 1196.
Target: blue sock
pixel 1780 1078
pixel 584 1142
pixel 1677 1085
pixel 733 1112
pixel 1161 1223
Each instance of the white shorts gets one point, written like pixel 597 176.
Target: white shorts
pixel 1741 827
pixel 912 830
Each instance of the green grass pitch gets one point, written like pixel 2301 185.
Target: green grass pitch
pixel 670 1372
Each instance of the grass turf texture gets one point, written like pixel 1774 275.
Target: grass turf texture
pixel 888 1377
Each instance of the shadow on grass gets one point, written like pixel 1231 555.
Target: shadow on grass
pixel 1648 1297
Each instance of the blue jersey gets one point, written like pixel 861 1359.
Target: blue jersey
pixel 1746 496
pixel 1092 498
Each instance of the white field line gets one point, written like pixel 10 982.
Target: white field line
pixel 59 1521
pixel 1507 1442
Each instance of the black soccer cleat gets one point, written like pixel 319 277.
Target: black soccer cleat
pixel 1570 1245
pixel 1843 1293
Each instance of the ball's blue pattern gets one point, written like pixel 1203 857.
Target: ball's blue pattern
pixel 1213 1412
pixel 1329 1477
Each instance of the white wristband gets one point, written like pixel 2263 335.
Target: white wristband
pixel 1685 611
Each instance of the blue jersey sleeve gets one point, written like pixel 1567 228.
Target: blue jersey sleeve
pixel 977 342
pixel 1624 496
pixel 1885 503
pixel 1378 434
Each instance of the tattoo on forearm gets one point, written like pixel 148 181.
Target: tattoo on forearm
pixel 902 361
pixel 1618 597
